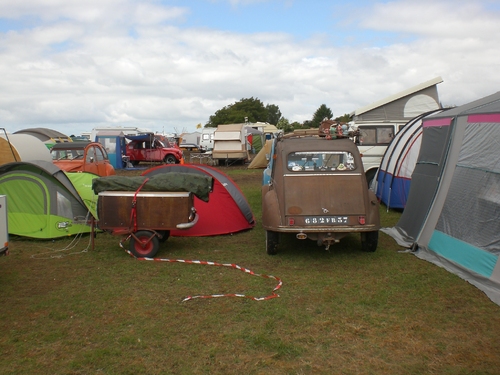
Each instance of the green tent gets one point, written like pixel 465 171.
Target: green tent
pixel 43 202
pixel 82 181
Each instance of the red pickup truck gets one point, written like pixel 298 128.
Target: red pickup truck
pixel 150 148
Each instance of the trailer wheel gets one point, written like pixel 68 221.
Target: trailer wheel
pixel 144 244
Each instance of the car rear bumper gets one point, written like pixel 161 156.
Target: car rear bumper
pixel 330 229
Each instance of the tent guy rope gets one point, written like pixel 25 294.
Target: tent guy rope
pixel 229 265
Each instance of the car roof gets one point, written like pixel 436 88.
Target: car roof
pixel 71 145
pixel 316 143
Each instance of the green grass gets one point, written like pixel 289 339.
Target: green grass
pixel 340 311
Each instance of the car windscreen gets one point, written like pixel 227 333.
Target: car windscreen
pixel 320 161
pixel 66 154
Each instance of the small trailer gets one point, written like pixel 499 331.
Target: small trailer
pixel 146 214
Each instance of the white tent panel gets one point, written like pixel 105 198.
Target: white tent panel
pixel 29 147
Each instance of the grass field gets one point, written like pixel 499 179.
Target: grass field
pixel 83 311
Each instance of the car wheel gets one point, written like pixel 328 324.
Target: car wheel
pixel 272 241
pixel 170 159
pixel 144 244
pixel 135 163
pixel 369 241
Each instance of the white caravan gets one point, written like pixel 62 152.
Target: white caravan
pixel 207 138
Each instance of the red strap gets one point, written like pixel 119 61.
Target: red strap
pixel 133 211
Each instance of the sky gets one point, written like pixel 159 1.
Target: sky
pixel 168 65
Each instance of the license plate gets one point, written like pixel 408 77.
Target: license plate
pixel 325 220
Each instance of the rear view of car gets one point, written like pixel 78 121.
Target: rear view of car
pixel 315 188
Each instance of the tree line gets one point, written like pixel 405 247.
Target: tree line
pixel 253 110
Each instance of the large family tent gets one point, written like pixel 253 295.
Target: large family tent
pixel 42 201
pixel 392 182
pixel 22 147
pixel 453 209
pixel 227 210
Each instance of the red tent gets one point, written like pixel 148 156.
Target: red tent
pixel 227 210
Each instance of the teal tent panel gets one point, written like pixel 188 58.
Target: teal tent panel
pixel 468 256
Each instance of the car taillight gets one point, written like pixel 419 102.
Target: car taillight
pixel 362 220
pixel 291 221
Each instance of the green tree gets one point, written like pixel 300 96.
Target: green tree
pixel 273 114
pixel 284 125
pixel 250 109
pixel 344 118
pixel 307 124
pixel 321 113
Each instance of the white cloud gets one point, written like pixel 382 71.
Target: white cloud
pixel 435 19
pixel 92 11
pixel 125 62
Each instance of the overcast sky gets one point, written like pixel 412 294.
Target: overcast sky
pixel 168 65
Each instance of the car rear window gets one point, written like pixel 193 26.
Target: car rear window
pixel 320 161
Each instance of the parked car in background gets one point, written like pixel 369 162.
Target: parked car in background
pixel 191 147
pixel 207 138
pixel 315 188
pixel 150 148
pixel 82 157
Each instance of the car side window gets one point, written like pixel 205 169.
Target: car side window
pixel 380 135
pixel 99 155
pixel 322 161
pixel 90 155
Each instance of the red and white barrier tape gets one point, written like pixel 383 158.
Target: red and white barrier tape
pixel 230 265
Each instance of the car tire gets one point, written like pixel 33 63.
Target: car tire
pixel 145 244
pixel 272 242
pixel 369 241
pixel 170 159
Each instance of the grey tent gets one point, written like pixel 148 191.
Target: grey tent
pixel 453 209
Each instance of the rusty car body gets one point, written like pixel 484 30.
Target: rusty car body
pixel 315 187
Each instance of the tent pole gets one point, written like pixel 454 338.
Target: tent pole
pixel 389 199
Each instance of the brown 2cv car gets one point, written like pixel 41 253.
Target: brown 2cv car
pixel 82 157
pixel 315 188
